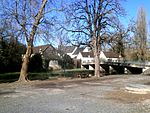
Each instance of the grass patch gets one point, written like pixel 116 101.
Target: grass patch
pixel 11 77
pixel 38 76
pixel 71 72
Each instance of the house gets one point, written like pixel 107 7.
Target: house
pixel 77 51
pixel 87 58
pixel 87 49
pixel 69 50
pixel 72 51
pixel 49 55
pixel 84 56
pixel 108 56
pixel 47 51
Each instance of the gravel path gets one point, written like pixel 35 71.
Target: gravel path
pixel 106 95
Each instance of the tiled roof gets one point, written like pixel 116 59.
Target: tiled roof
pixel 87 54
pixel 107 54
pixel 42 47
pixel 111 54
pixel 78 50
pixel 66 49
pixel 49 52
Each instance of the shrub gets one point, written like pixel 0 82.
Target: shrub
pixel 36 63
pixel 66 62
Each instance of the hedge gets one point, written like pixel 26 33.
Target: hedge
pixel 11 77
pixel 72 72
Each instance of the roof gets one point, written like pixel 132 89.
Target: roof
pixel 49 52
pixel 107 54
pixel 42 48
pixel 78 50
pixel 66 49
pixel 111 54
pixel 87 54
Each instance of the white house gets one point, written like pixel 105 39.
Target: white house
pixel 108 56
pixel 87 58
pixel 84 57
pixel 72 51
pixel 87 49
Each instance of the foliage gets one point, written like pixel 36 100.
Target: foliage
pixel 36 63
pixel 10 55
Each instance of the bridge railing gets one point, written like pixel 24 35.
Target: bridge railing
pixel 88 61
pixel 118 62
pixel 129 62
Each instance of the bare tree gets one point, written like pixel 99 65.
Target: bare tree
pixel 91 21
pixel 120 38
pixel 29 18
pixel 30 39
pixel 141 34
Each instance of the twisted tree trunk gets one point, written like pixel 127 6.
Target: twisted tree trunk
pixel 24 70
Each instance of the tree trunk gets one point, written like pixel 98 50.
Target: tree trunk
pixel 97 58
pixel 97 63
pixel 24 69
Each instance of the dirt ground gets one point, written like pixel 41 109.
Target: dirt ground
pixel 131 92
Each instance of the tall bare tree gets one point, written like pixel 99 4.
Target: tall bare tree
pixel 30 39
pixel 30 17
pixel 141 34
pixel 120 39
pixel 90 21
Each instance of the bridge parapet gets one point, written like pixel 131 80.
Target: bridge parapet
pixel 124 63
pixel 89 61
pixel 129 63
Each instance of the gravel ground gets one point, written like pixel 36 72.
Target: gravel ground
pixel 105 95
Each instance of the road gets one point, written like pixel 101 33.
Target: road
pixel 108 94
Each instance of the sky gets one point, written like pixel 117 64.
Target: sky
pixel 132 6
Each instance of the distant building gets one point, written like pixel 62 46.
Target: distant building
pixel 87 58
pixel 72 51
pixel 83 56
pixel 47 51
pixel 108 56
pixel 49 55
